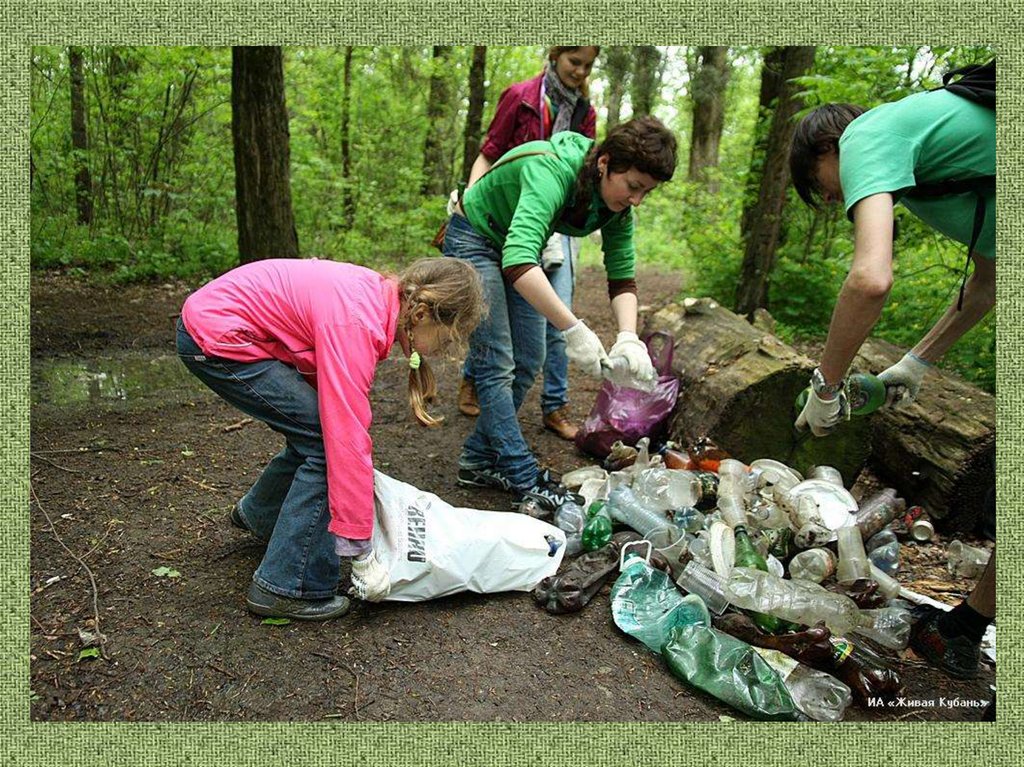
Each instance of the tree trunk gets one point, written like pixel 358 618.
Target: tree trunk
pixel 769 172
pixel 259 126
pixel 738 384
pixel 80 139
pixel 475 113
pixel 940 451
pixel 707 90
pixel 436 170
pixel 645 79
pixel 616 66
pixel 348 205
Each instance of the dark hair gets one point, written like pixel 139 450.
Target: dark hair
pixel 643 143
pixel 816 135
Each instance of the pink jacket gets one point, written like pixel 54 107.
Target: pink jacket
pixel 333 322
pixel 517 119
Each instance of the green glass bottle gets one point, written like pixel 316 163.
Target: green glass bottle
pixel 865 391
pixel 747 555
pixel 597 531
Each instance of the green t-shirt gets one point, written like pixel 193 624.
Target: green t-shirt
pixel 517 205
pixel 923 139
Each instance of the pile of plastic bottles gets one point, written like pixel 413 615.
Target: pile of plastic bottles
pixel 796 581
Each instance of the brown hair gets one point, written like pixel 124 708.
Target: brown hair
pixel 643 143
pixel 557 50
pixel 816 135
pixel 453 294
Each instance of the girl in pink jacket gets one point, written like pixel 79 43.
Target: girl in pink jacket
pixel 295 343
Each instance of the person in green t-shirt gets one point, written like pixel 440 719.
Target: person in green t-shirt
pixel 869 161
pixel 570 185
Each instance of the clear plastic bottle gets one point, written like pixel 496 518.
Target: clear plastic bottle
pixel 705 583
pixel 888 586
pixel 886 558
pixel 813 565
pixel 665 489
pixel 799 602
pixel 817 695
pixel 881 538
pixel 624 506
pixel 688 519
pixel 570 517
pixel 878 511
pixel 889 626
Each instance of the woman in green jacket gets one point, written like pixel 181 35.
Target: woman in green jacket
pixel 573 186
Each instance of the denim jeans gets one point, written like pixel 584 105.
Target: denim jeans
pixel 505 354
pixel 555 393
pixel 287 506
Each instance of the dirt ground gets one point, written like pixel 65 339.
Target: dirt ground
pixel 135 467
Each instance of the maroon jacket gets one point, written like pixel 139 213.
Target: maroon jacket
pixel 518 119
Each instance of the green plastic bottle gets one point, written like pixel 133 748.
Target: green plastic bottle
pixel 747 555
pixel 597 531
pixel 865 391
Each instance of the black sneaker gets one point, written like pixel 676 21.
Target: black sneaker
pixel 236 519
pixel 958 656
pixel 483 477
pixel 547 493
pixel 263 602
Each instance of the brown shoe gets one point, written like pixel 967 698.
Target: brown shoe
pixel 468 404
pixel 558 422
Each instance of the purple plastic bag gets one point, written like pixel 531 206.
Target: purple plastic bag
pixel 630 414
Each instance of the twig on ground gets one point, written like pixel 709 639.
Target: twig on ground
pixel 203 485
pixel 54 464
pixel 224 671
pixel 102 640
pixel 237 425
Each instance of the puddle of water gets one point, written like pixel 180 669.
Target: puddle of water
pixel 70 382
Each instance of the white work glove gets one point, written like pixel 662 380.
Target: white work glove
pixel 823 415
pixel 903 380
pixel 630 348
pixel 584 348
pixel 453 200
pixel 370 580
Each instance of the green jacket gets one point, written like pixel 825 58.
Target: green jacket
pixel 519 204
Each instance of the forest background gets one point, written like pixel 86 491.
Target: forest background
pixel 136 172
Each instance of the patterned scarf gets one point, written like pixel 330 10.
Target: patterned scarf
pixel 564 99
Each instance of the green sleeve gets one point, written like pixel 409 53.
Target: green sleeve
pixel 617 244
pixel 872 162
pixel 542 193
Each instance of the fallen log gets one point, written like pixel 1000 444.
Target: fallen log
pixel 737 385
pixel 939 451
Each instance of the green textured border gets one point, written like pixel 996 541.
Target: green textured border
pixel 315 22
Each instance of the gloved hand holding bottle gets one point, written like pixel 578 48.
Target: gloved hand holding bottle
pixel 584 348
pixel 826 407
pixel 632 350
pixel 903 380
pixel 370 580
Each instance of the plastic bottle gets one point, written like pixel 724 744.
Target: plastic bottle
pixel 665 489
pixel 598 528
pixel 888 626
pixel 878 511
pixel 624 506
pixel 813 565
pixel 888 586
pixel 966 561
pixel 881 538
pixel 816 694
pixel 886 558
pixel 812 536
pixel 688 519
pixel 570 517
pixel 729 669
pixel 647 605
pixel 865 393
pixel 800 602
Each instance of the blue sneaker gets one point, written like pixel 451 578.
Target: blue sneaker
pixel 483 477
pixel 548 493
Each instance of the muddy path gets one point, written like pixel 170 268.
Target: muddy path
pixel 135 467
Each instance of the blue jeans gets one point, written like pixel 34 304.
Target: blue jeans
pixel 555 393
pixel 505 354
pixel 287 506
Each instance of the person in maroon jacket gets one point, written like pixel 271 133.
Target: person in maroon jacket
pixel 553 101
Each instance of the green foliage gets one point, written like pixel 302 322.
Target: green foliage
pixel 161 158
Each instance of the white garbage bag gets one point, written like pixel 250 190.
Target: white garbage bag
pixel 431 548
